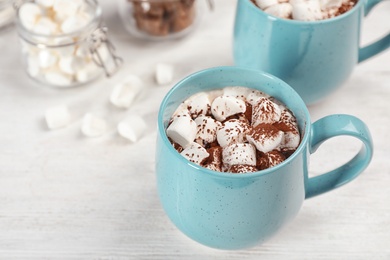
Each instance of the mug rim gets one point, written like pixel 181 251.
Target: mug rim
pixel 229 175
pixel 299 22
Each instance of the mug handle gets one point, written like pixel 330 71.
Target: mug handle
pixel 337 125
pixel 375 47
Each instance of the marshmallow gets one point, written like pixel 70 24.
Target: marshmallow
pixel 93 126
pixel 74 23
pixel 132 128
pixel 213 94
pixel 254 97
pixel 225 106
pixel 47 59
pixel 283 10
pixel 199 104
pixel 238 92
pixel 239 154
pixel 71 64
pixel 270 159
pixel 164 73
pixel 33 68
pixel 265 137
pixel 124 93
pixel 88 72
pixel 57 117
pixel 181 110
pixel 195 153
pixel 265 111
pixel 45 26
pixel 289 126
pixel 58 79
pixel 306 10
pixel 232 131
pixel 45 3
pixel 263 4
pixel 214 161
pixel 66 8
pixel 207 129
pixel 182 130
pixel 29 14
pixel 329 4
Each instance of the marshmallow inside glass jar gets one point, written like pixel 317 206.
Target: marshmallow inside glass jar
pixel 234 129
pixel 159 19
pixel 305 10
pixel 63 43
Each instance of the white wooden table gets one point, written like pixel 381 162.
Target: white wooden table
pixel 64 196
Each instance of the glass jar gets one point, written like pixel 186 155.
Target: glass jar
pixel 159 19
pixel 65 49
pixel 7 13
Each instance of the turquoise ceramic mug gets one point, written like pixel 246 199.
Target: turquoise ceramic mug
pixel 233 211
pixel 315 58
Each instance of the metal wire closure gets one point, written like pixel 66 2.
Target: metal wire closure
pixel 98 40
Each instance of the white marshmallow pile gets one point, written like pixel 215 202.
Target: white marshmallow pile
pixel 303 10
pixel 234 129
pixel 58 57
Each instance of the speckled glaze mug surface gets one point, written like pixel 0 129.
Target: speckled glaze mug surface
pixel 233 211
pixel 315 58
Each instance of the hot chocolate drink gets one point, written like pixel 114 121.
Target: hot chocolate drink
pixel 305 10
pixel 234 129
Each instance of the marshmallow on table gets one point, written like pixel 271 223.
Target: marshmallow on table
pixel 283 10
pixel 225 106
pixel 57 117
pixel 306 10
pixel 93 126
pixel 198 104
pixel 195 153
pixel 239 154
pixel 182 130
pixel 265 111
pixel 124 93
pixel 263 4
pixel 164 73
pixel 265 137
pixel 132 128
pixel 232 131
pixel 207 129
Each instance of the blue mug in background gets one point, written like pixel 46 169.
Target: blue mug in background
pixel 313 57
pixel 234 211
